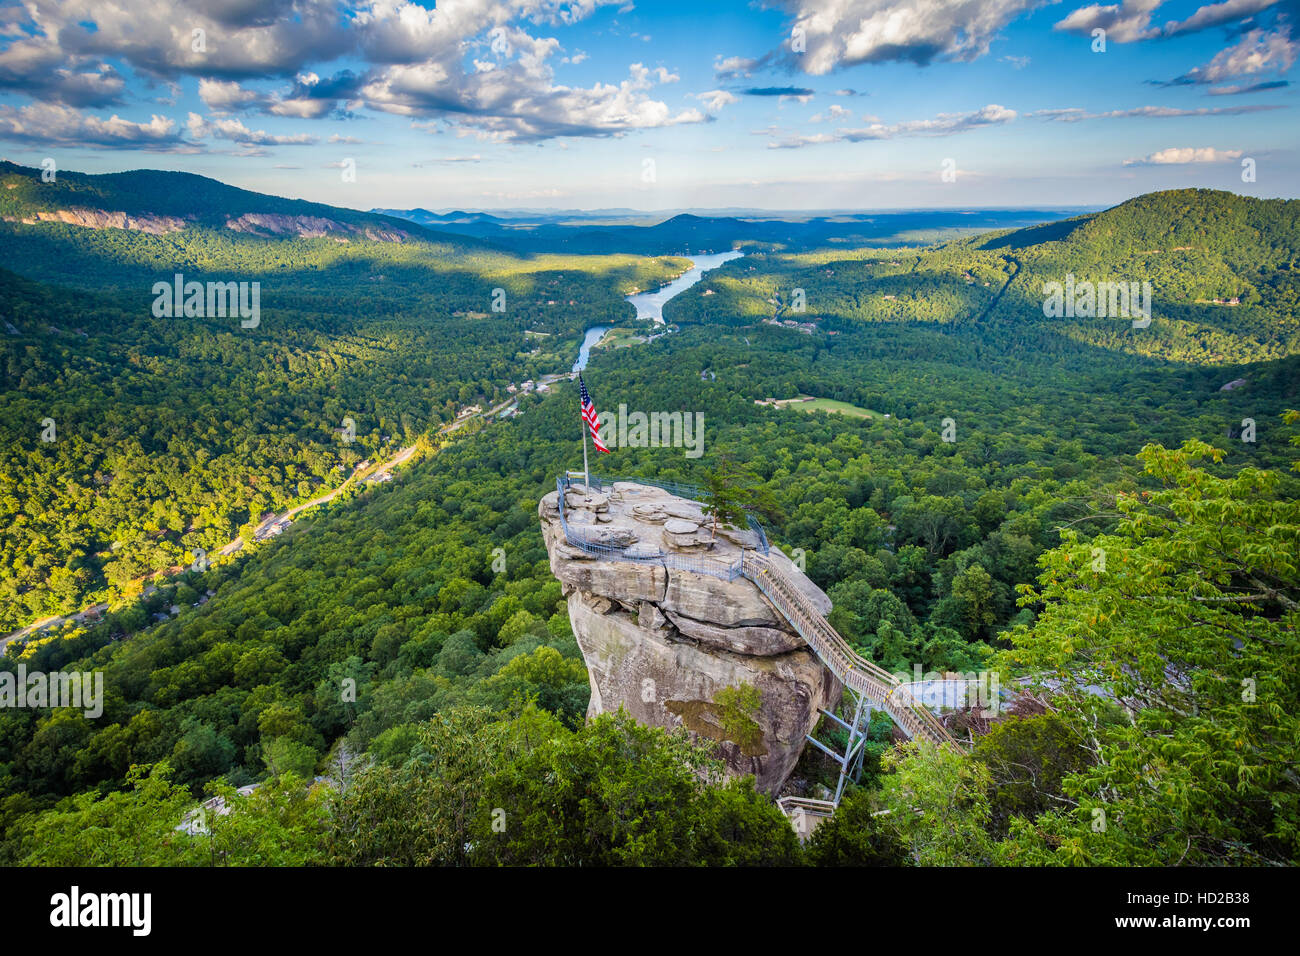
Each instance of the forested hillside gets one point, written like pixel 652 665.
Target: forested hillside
pixel 431 597
pixel 180 433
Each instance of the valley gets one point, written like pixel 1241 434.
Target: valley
pixel 976 455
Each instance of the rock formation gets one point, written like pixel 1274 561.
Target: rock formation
pixel 662 642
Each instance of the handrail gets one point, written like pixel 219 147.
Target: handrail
pixel 563 482
pixel 863 676
pixel 818 808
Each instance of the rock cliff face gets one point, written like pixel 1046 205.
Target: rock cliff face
pixel 663 643
pixel 309 227
pixel 104 219
pixel 254 223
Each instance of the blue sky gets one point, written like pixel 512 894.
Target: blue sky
pixel 796 104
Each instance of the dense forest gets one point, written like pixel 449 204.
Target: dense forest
pixel 173 434
pixel 397 671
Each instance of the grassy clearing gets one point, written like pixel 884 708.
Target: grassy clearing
pixel 806 404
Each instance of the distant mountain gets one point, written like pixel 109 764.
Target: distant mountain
pixel 159 202
pixel 1249 231
pixel 426 218
pixel 1196 246
pixel 629 231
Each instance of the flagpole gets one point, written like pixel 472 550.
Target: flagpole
pixel 586 474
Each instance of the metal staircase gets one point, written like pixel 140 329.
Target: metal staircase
pixel 868 680
pixel 869 685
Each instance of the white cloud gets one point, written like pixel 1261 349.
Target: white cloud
pixel 834 112
pixel 840 33
pixel 1256 52
pixel 715 100
pixel 50 124
pixel 1215 14
pixel 1075 114
pixel 1186 155
pixel 734 67
pixel 237 132
pixel 475 158
pixel 945 124
pixel 1124 22
pixel 522 104
pixel 478 65
pixel 225 96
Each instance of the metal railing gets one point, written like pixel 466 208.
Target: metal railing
pixel 700 564
pixel 692 492
pixel 863 676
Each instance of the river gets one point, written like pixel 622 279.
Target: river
pixel 650 305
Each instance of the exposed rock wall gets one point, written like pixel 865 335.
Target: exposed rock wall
pixel 103 219
pixel 662 642
pixel 254 223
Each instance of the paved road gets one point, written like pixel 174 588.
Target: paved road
pixel 372 471
pixel 236 544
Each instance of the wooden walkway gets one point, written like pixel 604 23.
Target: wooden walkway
pixel 868 679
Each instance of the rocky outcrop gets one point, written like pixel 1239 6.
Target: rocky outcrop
pixel 104 219
pixel 663 643
pixel 253 223
pixel 309 227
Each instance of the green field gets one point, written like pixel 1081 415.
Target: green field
pixel 618 338
pixel 831 405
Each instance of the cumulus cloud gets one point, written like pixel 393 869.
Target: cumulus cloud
pixel 1257 51
pixel 480 65
pixel 227 96
pixel 945 124
pixel 841 33
pixel 714 100
pixel 1186 155
pixel 235 131
pixel 1131 20
pixel 239 38
pixel 503 105
pixel 1124 22
pixel 734 67
pixel 833 113
pixel 48 124
pixel 1216 14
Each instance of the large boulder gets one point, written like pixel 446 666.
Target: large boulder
pixel 663 642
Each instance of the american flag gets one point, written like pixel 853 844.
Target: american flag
pixel 589 416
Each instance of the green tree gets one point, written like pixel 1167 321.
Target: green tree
pixel 938 803
pixel 1189 627
pixel 855 836
pixel 731 492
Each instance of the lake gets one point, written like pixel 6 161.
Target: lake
pixel 650 305
pixel 594 335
